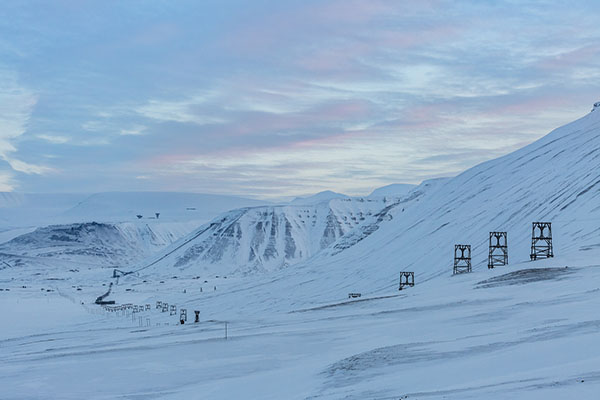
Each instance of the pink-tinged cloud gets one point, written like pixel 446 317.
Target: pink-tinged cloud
pixel 351 11
pixel 313 24
pixel 341 59
pixel 268 80
pixel 185 156
pixel 321 116
pixel 398 39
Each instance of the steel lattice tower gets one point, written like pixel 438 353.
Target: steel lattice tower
pixel 462 258
pixel 541 240
pixel 498 249
pixel 406 279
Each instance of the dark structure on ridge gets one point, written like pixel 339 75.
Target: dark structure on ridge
pixel 498 249
pixel 462 258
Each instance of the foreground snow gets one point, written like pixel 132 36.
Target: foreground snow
pixel 490 334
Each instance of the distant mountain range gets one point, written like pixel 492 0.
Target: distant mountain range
pixel 38 209
pixel 124 228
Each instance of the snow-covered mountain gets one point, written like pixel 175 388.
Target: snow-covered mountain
pixel 393 190
pixel 245 240
pixel 271 237
pixel 320 197
pixel 100 244
pixel 267 238
pixel 128 230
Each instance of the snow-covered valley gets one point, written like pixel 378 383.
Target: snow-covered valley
pixel 278 278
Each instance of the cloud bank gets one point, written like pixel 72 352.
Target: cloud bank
pixel 274 99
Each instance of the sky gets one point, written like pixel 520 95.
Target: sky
pixel 280 98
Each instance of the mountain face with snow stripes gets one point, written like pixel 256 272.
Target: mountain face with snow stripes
pixel 268 238
pixel 246 240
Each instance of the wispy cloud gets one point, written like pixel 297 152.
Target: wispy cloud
pixel 16 105
pixel 6 182
pixel 284 98
pixel 134 130
pixel 53 138
pixel 185 111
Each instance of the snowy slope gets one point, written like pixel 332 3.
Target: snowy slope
pixel 555 179
pixel 449 339
pixel 97 243
pixel 318 198
pixel 393 190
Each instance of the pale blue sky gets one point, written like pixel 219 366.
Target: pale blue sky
pixel 281 98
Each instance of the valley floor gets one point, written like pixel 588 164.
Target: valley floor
pixel 525 331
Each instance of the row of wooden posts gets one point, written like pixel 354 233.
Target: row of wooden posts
pixel 127 307
pixel 162 306
pixel 541 247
